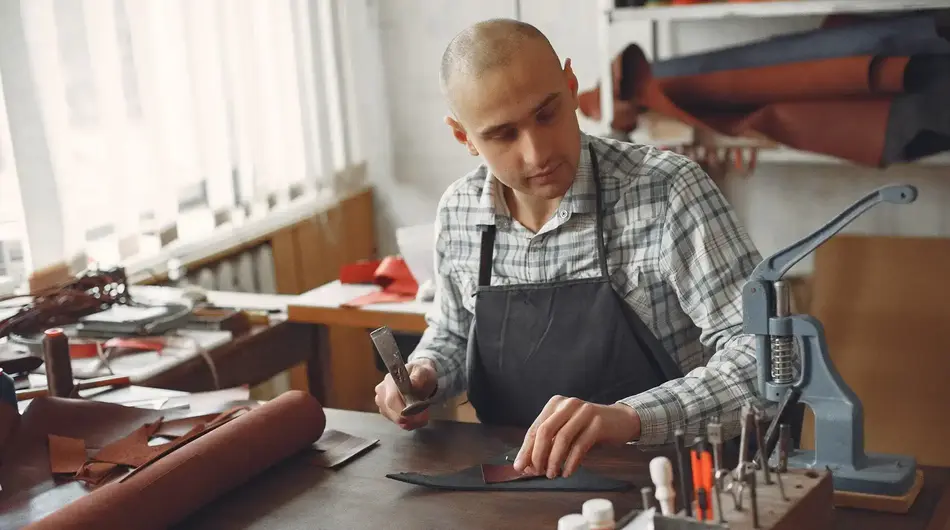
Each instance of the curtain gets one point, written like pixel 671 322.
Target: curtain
pixel 168 116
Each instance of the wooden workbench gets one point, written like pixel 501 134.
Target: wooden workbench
pixel 297 494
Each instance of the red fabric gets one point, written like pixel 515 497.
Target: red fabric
pixel 391 274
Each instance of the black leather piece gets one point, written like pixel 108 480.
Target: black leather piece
pixel 470 479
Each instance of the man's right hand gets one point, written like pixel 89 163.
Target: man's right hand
pixel 423 377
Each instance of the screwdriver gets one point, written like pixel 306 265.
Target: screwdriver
pixel 702 478
pixel 679 439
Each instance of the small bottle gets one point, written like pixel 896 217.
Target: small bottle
pixel 599 514
pixel 574 521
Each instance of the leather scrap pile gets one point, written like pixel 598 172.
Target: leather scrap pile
pixel 73 463
pixel 870 91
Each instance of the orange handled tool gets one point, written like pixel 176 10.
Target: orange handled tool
pixel 701 460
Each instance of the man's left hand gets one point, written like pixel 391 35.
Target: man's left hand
pixel 567 428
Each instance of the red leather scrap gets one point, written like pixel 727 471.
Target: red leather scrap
pixel 391 274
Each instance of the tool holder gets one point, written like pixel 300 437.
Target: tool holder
pixel 839 416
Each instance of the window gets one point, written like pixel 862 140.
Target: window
pixel 12 230
pixel 163 114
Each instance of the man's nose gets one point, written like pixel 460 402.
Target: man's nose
pixel 536 149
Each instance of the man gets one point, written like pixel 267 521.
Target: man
pixel 578 278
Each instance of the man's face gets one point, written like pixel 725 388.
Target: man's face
pixel 521 119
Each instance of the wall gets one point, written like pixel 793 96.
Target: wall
pixel 778 204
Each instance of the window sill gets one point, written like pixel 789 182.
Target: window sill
pixel 229 236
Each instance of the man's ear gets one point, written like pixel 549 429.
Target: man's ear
pixel 460 135
pixel 571 82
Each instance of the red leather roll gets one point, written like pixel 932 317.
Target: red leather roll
pixel 168 489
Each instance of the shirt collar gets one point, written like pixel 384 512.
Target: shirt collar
pixel 580 197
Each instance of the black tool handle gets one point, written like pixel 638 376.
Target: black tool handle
pixel 686 494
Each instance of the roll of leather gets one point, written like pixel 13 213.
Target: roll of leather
pixel 165 491
pixel 869 105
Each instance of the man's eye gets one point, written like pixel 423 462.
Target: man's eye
pixel 546 115
pixel 508 135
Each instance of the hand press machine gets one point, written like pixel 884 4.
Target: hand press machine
pixel 839 416
pixel 838 472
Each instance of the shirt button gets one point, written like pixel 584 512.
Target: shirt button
pixel 503 223
pixel 563 214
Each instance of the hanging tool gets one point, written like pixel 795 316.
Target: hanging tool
pixel 784 443
pixel 760 444
pixel 680 440
pixel 839 416
pixel 750 479
pixel 701 462
pixel 748 428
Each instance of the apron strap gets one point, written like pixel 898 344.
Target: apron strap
pixel 599 214
pixel 486 255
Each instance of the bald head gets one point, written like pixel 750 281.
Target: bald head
pixel 485 46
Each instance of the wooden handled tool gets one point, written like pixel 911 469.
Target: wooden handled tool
pixel 112 380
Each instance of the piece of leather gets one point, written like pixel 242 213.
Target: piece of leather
pixel 95 473
pixel 25 470
pixel 471 479
pixel 203 460
pixel 870 108
pixel 181 426
pixel 66 455
pixel 190 477
pixel 392 275
pixel 496 473
pixel 132 450
pixel 336 448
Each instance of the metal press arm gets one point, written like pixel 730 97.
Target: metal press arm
pixel 765 297
pixel 775 266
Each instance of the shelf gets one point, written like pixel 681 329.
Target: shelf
pixel 770 154
pixel 784 155
pixel 762 9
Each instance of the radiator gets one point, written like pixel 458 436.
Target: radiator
pixel 250 271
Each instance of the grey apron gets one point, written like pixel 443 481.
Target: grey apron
pixel 574 338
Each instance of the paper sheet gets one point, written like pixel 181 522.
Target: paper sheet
pixel 417 248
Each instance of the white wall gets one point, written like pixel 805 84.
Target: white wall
pixel 778 204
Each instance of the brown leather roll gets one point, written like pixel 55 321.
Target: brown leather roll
pixel 838 107
pixel 824 80
pixel 193 475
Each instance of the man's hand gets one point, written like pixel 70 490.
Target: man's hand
pixel 423 377
pixel 567 428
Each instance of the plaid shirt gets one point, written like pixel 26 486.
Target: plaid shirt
pixel 675 252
